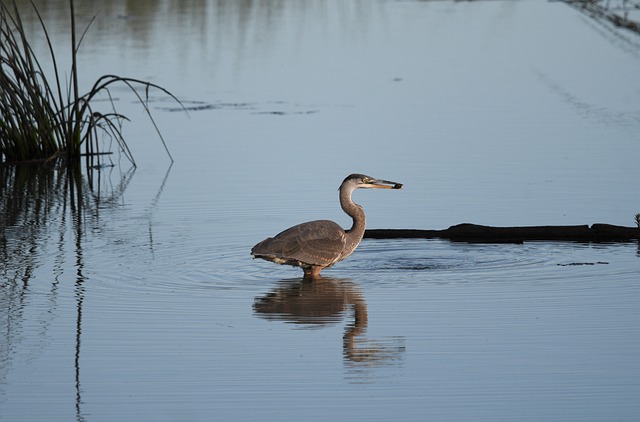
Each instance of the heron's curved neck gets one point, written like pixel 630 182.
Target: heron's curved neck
pixel 355 211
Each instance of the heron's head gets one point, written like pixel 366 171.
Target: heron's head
pixel 357 181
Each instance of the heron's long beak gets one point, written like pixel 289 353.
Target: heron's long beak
pixel 384 184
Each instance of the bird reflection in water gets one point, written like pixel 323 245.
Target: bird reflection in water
pixel 326 301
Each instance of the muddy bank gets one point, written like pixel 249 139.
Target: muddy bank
pixel 476 233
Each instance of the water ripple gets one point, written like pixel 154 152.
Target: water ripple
pixel 443 260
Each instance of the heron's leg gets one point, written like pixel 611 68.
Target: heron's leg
pixel 312 272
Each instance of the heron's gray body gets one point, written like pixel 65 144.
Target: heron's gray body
pixel 319 244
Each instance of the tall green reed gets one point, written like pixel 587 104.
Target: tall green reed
pixel 40 119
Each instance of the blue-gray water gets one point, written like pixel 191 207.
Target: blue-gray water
pixel 146 305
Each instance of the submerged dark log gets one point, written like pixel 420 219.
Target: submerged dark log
pixel 476 233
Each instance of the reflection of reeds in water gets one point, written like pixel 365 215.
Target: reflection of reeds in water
pixel 46 117
pixel 36 200
pixel 327 301
pixel 43 205
pixel 30 197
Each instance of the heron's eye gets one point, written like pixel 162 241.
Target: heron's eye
pixel 366 180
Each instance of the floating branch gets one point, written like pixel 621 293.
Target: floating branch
pixel 486 234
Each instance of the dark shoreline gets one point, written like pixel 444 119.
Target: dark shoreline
pixel 467 232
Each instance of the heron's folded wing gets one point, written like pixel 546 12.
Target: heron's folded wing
pixel 314 243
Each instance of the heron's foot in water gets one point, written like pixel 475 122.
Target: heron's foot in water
pixel 312 272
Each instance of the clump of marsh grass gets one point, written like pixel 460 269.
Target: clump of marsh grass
pixel 40 119
pixel 637 217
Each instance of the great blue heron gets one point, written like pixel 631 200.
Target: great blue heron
pixel 319 244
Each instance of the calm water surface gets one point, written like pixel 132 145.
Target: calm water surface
pixel 138 300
